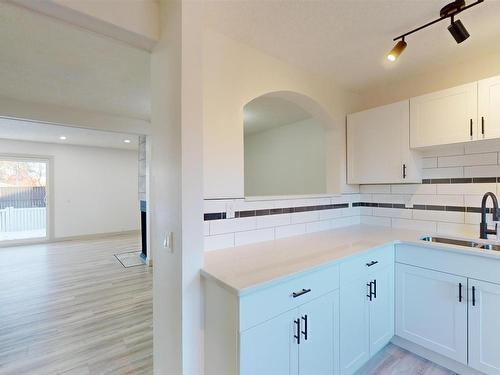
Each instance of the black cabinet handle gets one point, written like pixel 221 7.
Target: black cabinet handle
pixel 473 296
pixel 375 288
pixel 301 293
pixel 370 293
pixel 471 127
pixel 372 263
pixel 459 292
pixel 305 331
pixel 297 336
pixel 404 171
pixel 482 125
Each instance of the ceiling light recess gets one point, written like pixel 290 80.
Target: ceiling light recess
pixel 62 138
pixel 127 140
pixel 456 28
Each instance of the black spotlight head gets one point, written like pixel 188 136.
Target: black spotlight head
pixel 458 31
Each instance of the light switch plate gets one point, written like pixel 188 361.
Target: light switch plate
pixel 168 241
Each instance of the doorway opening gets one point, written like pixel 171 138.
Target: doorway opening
pixel 23 198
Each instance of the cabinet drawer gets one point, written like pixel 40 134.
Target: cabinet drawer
pixel 371 261
pixel 265 304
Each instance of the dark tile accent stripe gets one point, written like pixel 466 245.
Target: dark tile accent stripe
pixel 482 180
pixel 214 216
pixel 275 211
pixel 461 180
pixel 455 208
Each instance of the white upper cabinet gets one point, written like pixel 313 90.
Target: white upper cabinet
pixel 378 149
pixel 444 117
pixel 489 108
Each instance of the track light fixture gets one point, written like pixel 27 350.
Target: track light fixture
pixel 456 28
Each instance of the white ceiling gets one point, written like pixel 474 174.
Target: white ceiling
pixel 267 112
pixel 348 40
pixel 38 132
pixel 46 61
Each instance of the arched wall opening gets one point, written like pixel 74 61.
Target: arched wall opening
pixel 287 145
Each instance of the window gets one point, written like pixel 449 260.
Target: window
pixel 23 198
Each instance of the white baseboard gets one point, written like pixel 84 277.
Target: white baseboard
pixel 38 241
pixel 439 359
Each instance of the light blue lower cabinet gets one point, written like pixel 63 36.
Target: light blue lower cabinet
pixel 366 317
pixel 298 342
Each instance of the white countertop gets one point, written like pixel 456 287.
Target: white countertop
pixel 242 269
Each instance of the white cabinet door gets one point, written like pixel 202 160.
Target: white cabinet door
pixel 382 309
pixel 319 341
pixel 378 146
pixel 354 326
pixel 270 348
pixel 484 326
pixel 489 108
pixel 430 312
pixel 444 117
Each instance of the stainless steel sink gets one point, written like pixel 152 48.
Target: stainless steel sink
pixel 465 243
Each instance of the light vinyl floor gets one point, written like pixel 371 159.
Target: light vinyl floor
pixel 72 308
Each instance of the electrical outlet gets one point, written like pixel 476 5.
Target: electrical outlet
pixel 229 210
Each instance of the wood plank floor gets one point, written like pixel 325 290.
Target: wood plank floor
pixel 72 308
pixel 393 360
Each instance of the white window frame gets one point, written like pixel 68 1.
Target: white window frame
pixel 49 231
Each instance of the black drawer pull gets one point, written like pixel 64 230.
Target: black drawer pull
pixel 459 292
pixel 301 293
pixel 370 292
pixel 297 336
pixel 473 296
pixel 372 263
pixel 305 331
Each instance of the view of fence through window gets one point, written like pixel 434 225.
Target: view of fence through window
pixel 23 199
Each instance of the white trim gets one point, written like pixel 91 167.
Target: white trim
pixel 38 241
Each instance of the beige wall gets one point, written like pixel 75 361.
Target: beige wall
pixel 454 75
pixel 287 160
pixel 176 192
pixel 233 75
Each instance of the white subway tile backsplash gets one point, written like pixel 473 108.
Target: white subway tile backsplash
pixel 466 188
pixel 329 214
pixel 468 160
pixel 438 200
pixel 474 200
pixel 304 217
pixel 393 212
pixel 456 229
pixel 374 220
pixel 426 226
pixel 446 150
pixel 318 226
pixel 446 216
pixel 221 241
pixel 216 205
pixel 232 225
pixel 482 171
pixel 290 230
pixel 273 220
pixel 429 162
pixel 259 235
pixel 412 189
pixel 452 172
pixel 472 160
pixel 392 198
pixel 375 189
pixel 486 145
pixel 345 221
